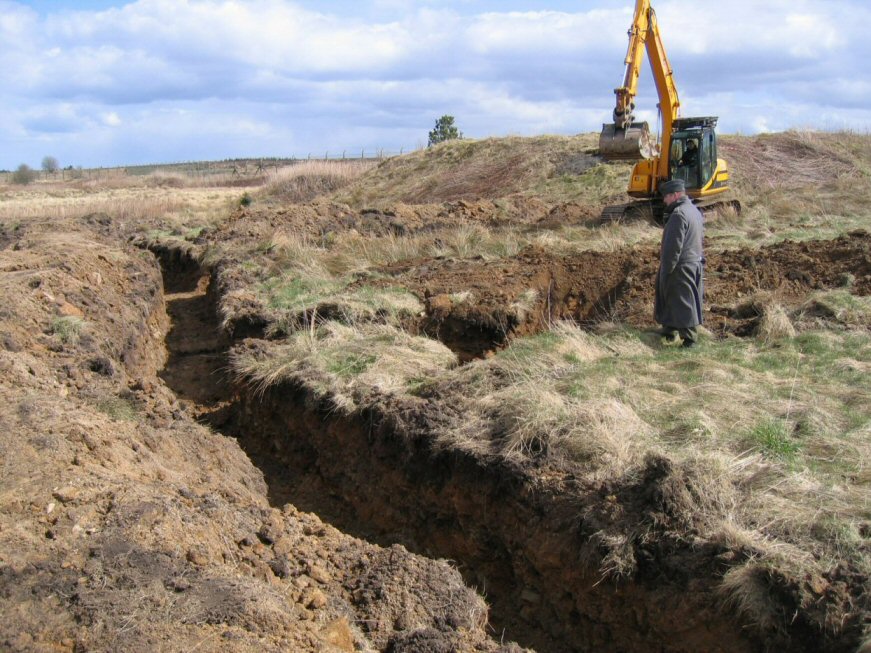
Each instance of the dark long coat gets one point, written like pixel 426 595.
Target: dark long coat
pixel 680 285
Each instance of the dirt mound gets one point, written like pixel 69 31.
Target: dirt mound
pixel 476 306
pixel 472 170
pixel 789 160
pixel 321 221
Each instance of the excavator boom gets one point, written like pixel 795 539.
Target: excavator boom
pixel 625 139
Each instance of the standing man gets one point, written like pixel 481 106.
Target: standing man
pixel 680 283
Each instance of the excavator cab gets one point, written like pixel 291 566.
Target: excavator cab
pixel 693 155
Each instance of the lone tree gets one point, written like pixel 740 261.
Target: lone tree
pixel 445 130
pixel 50 164
pixel 24 174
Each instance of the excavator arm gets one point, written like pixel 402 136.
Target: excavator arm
pixel 626 139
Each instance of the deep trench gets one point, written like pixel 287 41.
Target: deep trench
pixel 375 477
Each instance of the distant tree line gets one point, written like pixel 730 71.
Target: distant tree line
pixel 24 174
pixel 445 130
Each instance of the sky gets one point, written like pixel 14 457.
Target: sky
pixel 112 83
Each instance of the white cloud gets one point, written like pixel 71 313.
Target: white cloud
pixel 260 33
pixel 548 30
pixel 281 75
pixel 794 27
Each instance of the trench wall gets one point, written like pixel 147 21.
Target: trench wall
pixel 527 545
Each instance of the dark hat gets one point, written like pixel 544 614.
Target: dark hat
pixel 672 186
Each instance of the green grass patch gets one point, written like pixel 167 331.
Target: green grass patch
pixel 295 293
pixel 349 364
pixel 526 349
pixel 118 408
pixel 773 438
pixel 68 328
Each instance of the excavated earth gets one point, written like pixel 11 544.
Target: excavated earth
pixel 476 306
pixel 125 523
pixel 495 303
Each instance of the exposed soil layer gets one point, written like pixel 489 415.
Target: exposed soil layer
pixel 321 220
pixel 476 306
pixel 525 543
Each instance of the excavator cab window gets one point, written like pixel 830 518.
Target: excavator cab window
pixel 709 156
pixel 686 157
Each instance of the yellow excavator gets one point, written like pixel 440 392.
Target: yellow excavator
pixel 688 146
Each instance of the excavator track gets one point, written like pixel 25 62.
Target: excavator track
pixel 653 210
pixel 633 211
pixel 709 206
pixel 613 213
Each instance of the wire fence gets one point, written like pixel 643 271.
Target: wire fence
pixel 245 167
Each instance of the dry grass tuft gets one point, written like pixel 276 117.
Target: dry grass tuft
pixel 747 590
pixel 346 362
pixel 775 324
pixel 303 181
pixel 533 421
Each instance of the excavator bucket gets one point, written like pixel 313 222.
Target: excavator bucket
pixel 630 144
